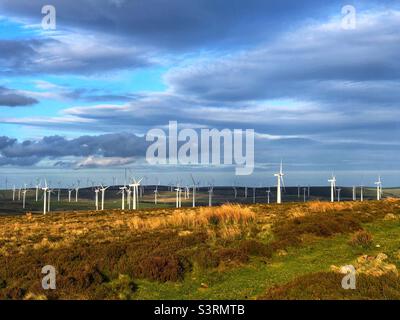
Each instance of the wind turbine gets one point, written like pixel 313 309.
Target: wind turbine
pixel 338 194
pixel 354 193
pixel 178 196
pixel 97 190
pixel 254 195
pixel 333 187
pixel 362 193
pixel 76 193
pixel 69 194
pixel 279 177
pixel 44 189
pixel 49 199
pixel 123 189
pixel 210 195
pixel 13 193
pixel 156 195
pixel 103 191
pixel 268 194
pixel 245 192
pixel 128 197
pixel 19 194
pixel 23 198
pixel 194 187
pixel 235 192
pixel 378 189
pixel 37 191
pixel 298 191
pixel 135 185
pixel 304 191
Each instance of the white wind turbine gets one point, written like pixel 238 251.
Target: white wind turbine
pixel 96 191
pixel 76 193
pixel 135 186
pixel 298 191
pixel 379 189
pixel 333 187
pixel 304 194
pixel 19 194
pixel 245 192
pixel 13 193
pixel 69 194
pixel 103 192
pixel 354 193
pixel 44 189
pixel 178 197
pixel 37 191
pixel 362 193
pixel 194 187
pixel 235 192
pixel 254 195
pixel 23 198
pixel 338 194
pixel 155 195
pixel 49 199
pixel 268 194
pixel 279 177
pixel 123 190
pixel 128 197
pixel 210 195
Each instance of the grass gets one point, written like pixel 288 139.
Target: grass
pixel 227 252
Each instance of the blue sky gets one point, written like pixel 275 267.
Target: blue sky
pixel 318 96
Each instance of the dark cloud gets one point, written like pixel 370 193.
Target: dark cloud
pixel 12 98
pixel 322 63
pixel 29 152
pixel 180 24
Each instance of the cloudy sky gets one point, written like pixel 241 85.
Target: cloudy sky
pixel 319 96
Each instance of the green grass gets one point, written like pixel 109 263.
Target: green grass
pixel 248 282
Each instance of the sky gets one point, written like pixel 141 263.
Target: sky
pixel 76 102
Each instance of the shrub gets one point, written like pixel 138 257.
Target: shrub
pixel 361 238
pixel 161 268
pixel 206 259
pixel 256 248
pixel 232 255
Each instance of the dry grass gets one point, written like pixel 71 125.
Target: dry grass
pixel 223 216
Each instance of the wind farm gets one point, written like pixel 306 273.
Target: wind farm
pixel 199 150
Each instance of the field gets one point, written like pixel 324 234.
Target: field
pixel 232 251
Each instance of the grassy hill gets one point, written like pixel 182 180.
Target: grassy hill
pixel 229 252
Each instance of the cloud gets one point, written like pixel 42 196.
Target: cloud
pixel 13 98
pixel 178 24
pixel 68 54
pixel 85 150
pixel 319 62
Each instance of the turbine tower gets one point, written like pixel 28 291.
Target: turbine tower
pixel 333 187
pixel 378 189
pixel 268 194
pixel 279 184
pixel 44 189
pixel 96 192
pixel 103 191
pixel 123 189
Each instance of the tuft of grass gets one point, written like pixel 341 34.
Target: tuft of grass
pixel 361 238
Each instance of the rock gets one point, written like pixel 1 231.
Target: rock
pixel 282 252
pixel 369 265
pixel 390 217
